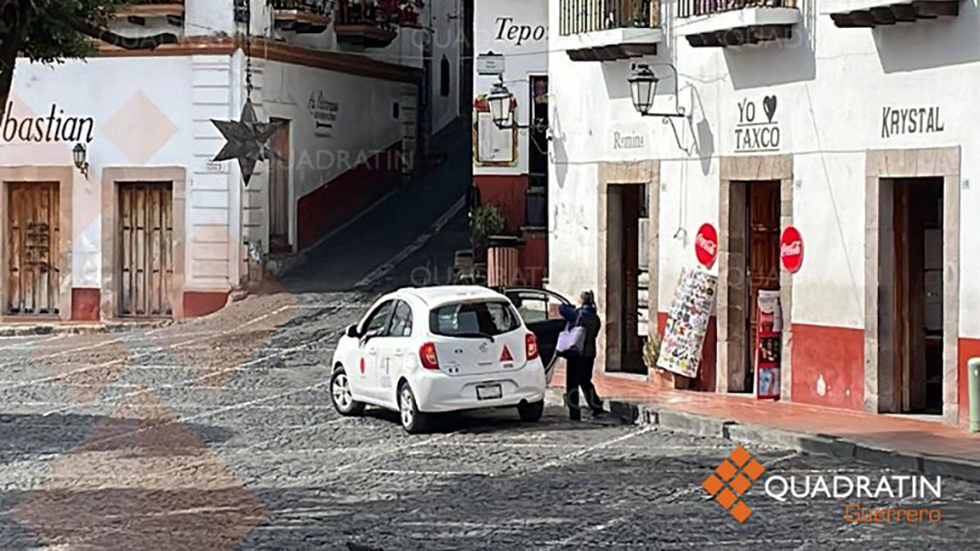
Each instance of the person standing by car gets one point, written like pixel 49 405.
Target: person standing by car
pixel 578 372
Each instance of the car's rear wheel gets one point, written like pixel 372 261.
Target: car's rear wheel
pixel 413 420
pixel 531 412
pixel 341 395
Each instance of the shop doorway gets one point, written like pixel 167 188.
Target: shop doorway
pixel 754 227
pixel 916 292
pixel 33 234
pixel 537 193
pixel 625 204
pixel 762 274
pixel 146 252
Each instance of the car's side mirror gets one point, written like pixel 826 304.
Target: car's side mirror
pixel 352 332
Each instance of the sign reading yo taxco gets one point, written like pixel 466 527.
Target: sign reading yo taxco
pixel 758 129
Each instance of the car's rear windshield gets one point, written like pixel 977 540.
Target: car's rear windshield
pixel 474 319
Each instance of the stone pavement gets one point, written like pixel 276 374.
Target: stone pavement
pixel 218 434
pixel 914 444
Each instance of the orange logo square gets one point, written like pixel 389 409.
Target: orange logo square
pixel 732 479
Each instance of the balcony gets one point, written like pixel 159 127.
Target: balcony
pixel 609 30
pixel 303 16
pixel 369 24
pixel 874 13
pixel 138 11
pixel 722 23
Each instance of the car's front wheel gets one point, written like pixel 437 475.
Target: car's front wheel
pixel 532 412
pixel 341 395
pixel 413 420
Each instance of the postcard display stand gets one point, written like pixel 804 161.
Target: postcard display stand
pixel 687 324
pixel 768 345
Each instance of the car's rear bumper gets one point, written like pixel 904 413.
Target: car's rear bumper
pixel 439 392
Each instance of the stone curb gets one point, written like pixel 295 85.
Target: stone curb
pixel 813 444
pixel 27 330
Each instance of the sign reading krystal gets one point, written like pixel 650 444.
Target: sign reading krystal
pixel 791 249
pixel 706 245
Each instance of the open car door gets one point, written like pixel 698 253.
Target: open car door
pixel 539 309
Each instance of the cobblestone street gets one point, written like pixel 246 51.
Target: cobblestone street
pixel 219 434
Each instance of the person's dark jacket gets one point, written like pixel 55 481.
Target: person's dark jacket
pixel 589 320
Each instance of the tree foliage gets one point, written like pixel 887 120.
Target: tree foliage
pixel 50 31
pixel 51 27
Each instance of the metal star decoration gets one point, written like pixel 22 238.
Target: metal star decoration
pixel 247 140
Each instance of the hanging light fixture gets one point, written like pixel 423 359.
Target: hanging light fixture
pixel 80 157
pixel 643 88
pixel 643 91
pixel 501 103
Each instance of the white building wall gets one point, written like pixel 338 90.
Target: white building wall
pixel 831 85
pixel 498 29
pixel 445 22
pixel 141 119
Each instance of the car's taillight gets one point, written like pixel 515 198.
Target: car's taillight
pixel 532 346
pixel 428 356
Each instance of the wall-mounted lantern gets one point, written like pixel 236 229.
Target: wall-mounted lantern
pixel 501 102
pixel 80 156
pixel 643 90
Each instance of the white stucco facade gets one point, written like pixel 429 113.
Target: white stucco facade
pixel 516 30
pixel 144 111
pixel 835 91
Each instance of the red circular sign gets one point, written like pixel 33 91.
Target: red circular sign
pixel 706 245
pixel 791 249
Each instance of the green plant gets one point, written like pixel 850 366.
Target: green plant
pixel 651 351
pixel 487 220
pixel 50 31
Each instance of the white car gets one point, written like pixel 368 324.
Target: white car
pixel 439 349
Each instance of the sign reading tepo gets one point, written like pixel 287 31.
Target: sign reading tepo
pixel 757 129
pixel 517 33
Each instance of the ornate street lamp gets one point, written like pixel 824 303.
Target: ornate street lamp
pixel 501 103
pixel 79 155
pixel 643 90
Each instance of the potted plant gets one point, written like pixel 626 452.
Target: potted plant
pixel 487 221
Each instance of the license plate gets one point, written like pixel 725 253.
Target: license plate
pixel 489 392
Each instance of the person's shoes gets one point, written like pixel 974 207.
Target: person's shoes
pixel 574 415
pixel 595 403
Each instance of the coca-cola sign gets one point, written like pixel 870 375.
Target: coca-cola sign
pixel 706 245
pixel 791 249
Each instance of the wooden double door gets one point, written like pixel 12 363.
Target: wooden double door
pixel 145 252
pixel 33 234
